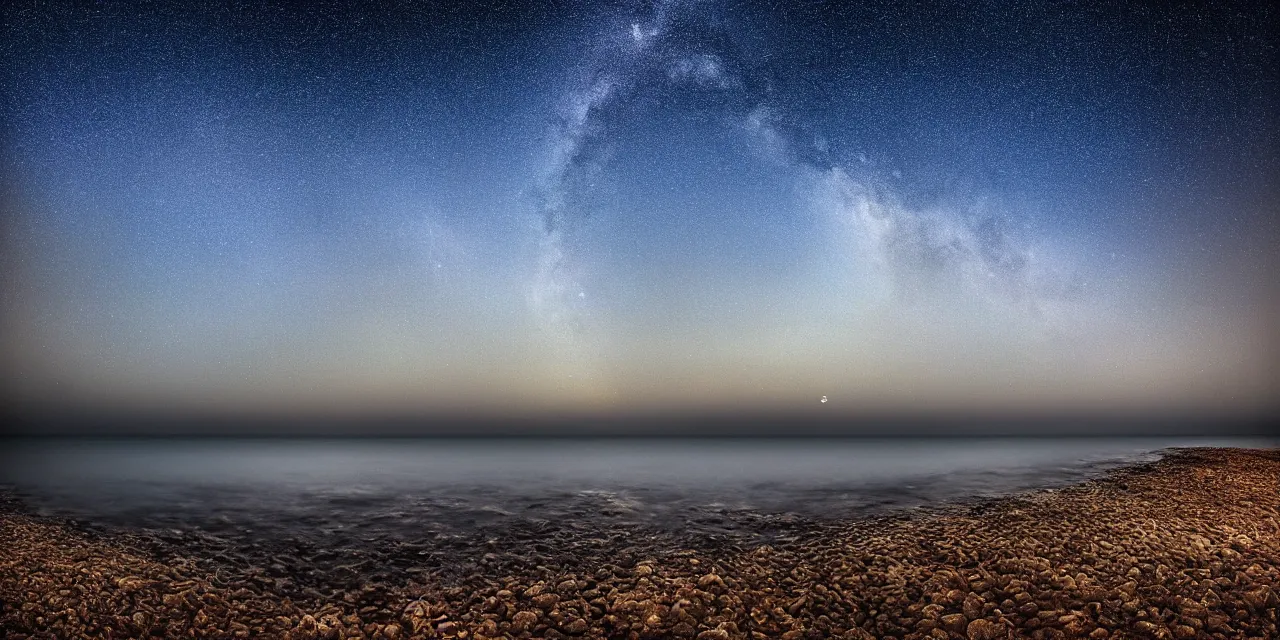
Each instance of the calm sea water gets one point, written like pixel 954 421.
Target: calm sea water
pixel 403 488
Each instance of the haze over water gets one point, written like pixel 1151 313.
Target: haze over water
pixel 405 489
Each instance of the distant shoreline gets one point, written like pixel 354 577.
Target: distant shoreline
pixel 643 426
pixel 1187 546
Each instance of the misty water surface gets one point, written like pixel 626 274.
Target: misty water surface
pixel 402 489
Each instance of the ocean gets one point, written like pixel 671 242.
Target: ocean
pixel 401 490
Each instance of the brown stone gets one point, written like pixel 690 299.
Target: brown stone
pixel 985 630
pixel 955 622
pixel 524 620
pixel 973 605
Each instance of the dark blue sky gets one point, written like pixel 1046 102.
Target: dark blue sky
pixel 505 207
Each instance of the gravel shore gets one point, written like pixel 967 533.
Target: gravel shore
pixel 1187 547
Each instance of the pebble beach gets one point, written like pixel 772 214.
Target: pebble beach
pixel 1184 547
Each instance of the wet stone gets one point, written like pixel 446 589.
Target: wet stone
pixel 1089 560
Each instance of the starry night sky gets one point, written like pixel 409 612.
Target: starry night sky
pixel 616 206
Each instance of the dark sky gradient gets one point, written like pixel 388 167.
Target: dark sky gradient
pixel 492 207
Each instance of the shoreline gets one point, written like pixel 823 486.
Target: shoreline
pixel 1185 547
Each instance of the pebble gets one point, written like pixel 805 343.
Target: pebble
pixel 1187 547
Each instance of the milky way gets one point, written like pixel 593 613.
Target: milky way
pixel 920 254
pixel 494 207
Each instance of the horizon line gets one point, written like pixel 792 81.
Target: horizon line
pixel 641 424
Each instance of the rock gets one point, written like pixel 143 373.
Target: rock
pixel 1146 627
pixel 1258 598
pixel 972 607
pixel 546 601
pixel 795 606
pixel 524 621
pixel 1104 568
pixel 1093 594
pixel 955 622
pixel 1192 609
pixel 985 630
